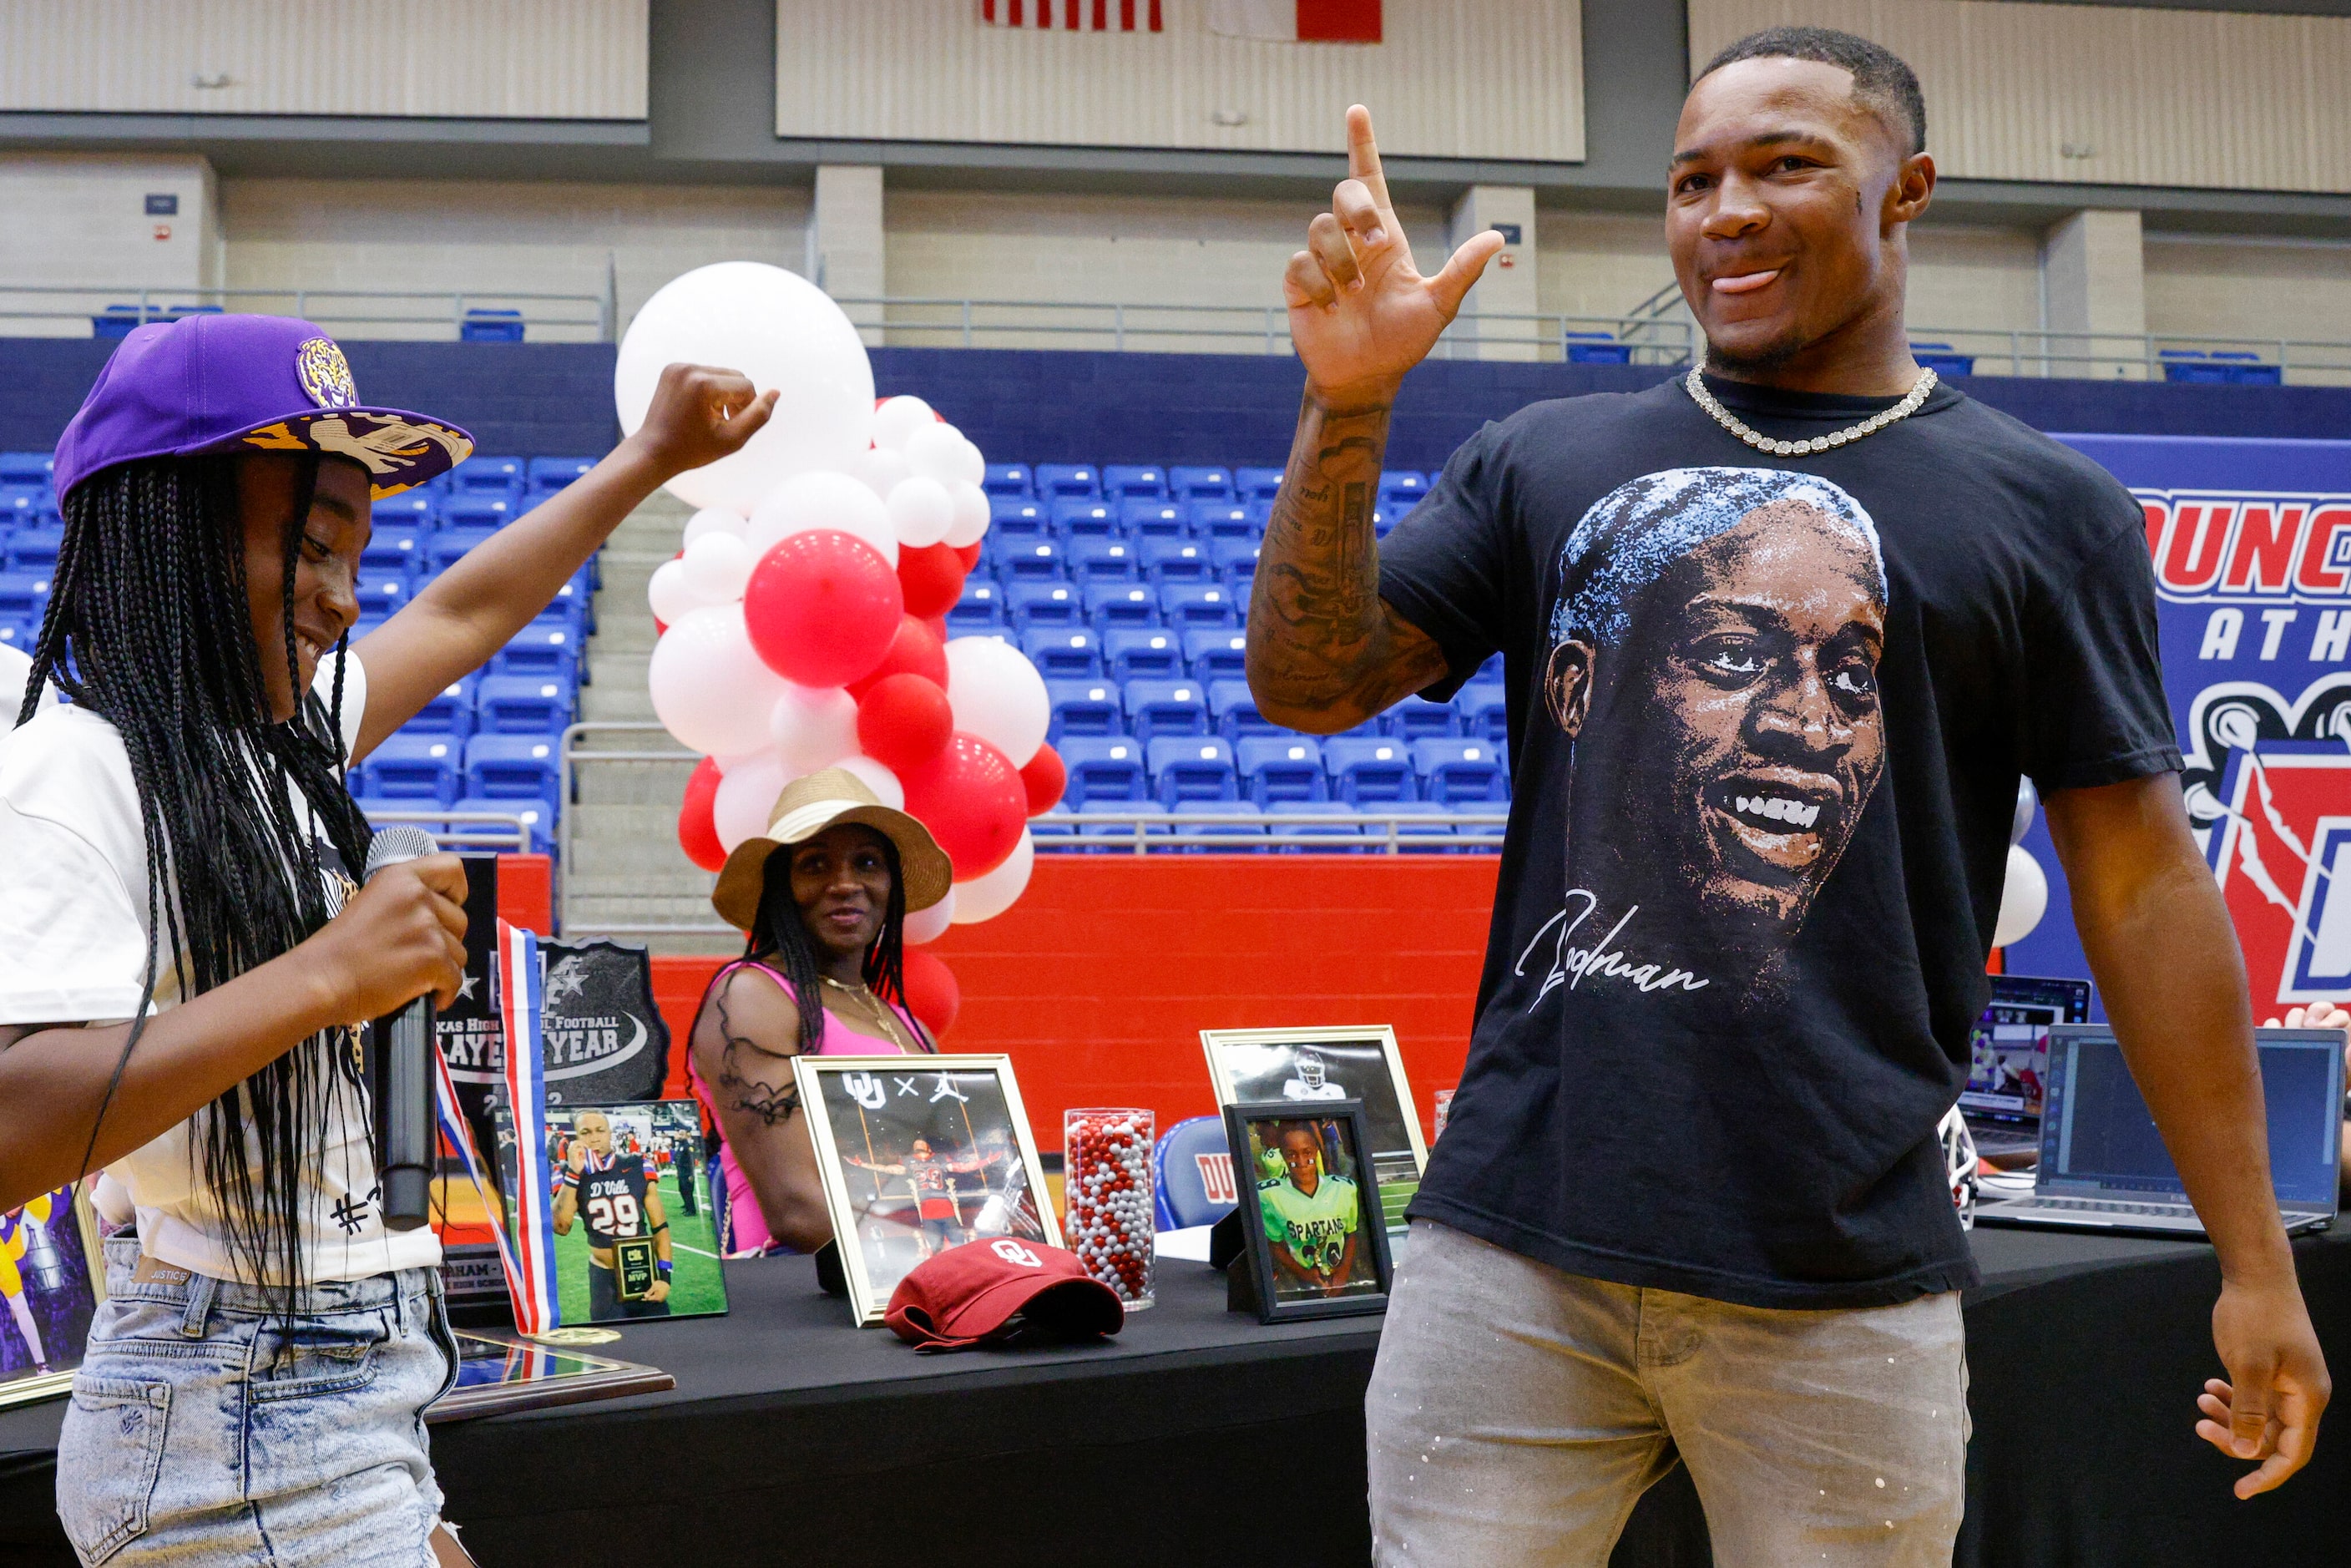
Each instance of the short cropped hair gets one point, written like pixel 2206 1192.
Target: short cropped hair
pixel 1879 75
pixel 1636 531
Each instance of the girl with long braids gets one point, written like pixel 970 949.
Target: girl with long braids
pixel 184 953
pixel 822 897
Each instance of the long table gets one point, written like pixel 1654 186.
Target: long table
pixel 1198 1436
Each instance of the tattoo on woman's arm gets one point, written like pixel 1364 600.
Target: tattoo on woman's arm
pixel 752 1096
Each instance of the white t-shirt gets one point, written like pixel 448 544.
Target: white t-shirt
pixel 16 673
pixel 73 949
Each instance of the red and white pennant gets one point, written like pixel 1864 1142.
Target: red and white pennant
pixel 1073 16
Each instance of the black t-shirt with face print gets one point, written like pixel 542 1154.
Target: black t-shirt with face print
pixel 1767 719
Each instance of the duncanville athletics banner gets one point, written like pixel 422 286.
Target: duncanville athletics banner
pixel 2252 544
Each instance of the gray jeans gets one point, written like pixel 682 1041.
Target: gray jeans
pixel 1518 1412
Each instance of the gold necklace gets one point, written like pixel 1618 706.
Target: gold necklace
pixel 876 1009
pixel 1700 394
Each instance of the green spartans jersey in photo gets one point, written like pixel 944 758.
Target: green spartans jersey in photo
pixel 1315 1228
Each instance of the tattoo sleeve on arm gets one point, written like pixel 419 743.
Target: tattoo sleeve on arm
pixel 1325 651
pixel 751 1093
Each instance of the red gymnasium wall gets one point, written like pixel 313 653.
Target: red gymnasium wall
pixel 1098 982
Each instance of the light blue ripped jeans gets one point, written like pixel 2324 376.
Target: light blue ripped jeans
pixel 204 1431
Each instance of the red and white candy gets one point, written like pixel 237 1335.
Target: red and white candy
pixel 1106 1184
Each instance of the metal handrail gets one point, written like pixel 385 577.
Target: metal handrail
pixel 156 302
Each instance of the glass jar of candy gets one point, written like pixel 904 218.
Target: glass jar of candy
pixel 1106 1188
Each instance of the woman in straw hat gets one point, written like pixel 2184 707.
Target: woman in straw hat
pixel 823 897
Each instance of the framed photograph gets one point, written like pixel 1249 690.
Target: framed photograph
pixel 630 1207
pixel 919 1153
pixel 1310 1217
pixel 1309 1066
pixel 52 1277
pixel 496 1374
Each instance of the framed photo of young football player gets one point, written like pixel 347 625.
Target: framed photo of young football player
pixel 631 1209
pixel 52 1277
pixel 917 1154
pixel 1312 1066
pixel 1309 1215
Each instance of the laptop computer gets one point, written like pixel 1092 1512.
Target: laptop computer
pixel 2008 1059
pixel 2103 1166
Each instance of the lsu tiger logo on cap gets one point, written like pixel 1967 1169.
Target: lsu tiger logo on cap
pixel 325 374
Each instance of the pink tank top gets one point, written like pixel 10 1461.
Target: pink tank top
pixel 747 1227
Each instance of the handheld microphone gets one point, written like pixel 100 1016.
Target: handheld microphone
pixel 407 1135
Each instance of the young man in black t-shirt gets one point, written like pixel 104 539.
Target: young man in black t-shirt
pixel 618 1193
pixel 1781 641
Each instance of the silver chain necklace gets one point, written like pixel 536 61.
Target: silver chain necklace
pixel 1696 386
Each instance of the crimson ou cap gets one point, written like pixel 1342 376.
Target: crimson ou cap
pixel 972 1292
pixel 216 383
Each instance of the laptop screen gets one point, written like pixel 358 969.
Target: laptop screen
pixel 2098 1135
pixel 2008 1050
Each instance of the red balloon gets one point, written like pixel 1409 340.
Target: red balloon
pixel 697 833
pixel 967 554
pixel 939 626
pixel 1045 778
pixel 972 799
pixel 903 721
pixel 932 994
pixel 932 577
pixel 917 649
pixel 822 608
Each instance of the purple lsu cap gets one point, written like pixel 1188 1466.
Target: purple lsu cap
pixel 246 383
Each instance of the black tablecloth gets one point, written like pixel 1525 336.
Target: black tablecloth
pixel 1197 1436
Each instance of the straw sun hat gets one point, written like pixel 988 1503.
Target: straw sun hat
pixel 806 808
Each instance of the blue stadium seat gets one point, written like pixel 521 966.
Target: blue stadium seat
pixel 1151 520
pixel 1234 711
pixel 1030 561
pixel 23 504
pixel 1119 838
pixel 1484 707
pixel 1350 833
pixel 1123 480
pixel 19 635
pixel 1185 768
pixel 478 511
pixel 1053 829
pixel 28 468
pixel 488 478
pixel 396 548
pixel 539 816
pixel 1187 605
pixel 1102 560
pixel 1110 604
pixel 1084 515
pixel 1417 718
pixel 1105 771
pixel 450 712
pixel 1236 562
pixel 544 477
pixel 1181 1164
pixel 1158 709
pixel 1282 767
pixel 1176 560
pixel 1018 518
pixel 1213 653
pixel 1083 709
pixel 414 768
pixel 1597 349
pixel 1142 652
pixel 1367 771
pixel 512 768
pixel 1383 520
pixel 418 509
pixel 1032 604
pixel 1255 484
pixel 482 324
pixel 538 649
pixel 525 704
pixel 1402 488
pixel 449 545
pixel 1055 479
pixel 1063 656
pixel 1199 483
pixel 579 588
pixel 981 608
pixel 380 594
pixel 35 549
pixel 1461 772
pixel 1224 520
pixel 1247 822
pixel 1007 479
pixel 1413 837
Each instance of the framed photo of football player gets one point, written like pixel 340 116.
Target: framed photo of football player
pixel 52 1277
pixel 631 1210
pixel 1309 1215
pixel 1309 1067
pixel 917 1154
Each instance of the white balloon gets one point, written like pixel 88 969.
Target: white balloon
pixel 672 596
pixel 745 797
pixel 922 511
pixel 973 466
pixel 726 765
pixel 900 417
pixel 813 726
pixel 970 524
pixel 823 501
pixel 930 925
pixel 716 565
pixel 709 689
pixel 713 520
pixel 2023 900
pixel 788 337
pixel 878 779
pixel 996 693
pixel 935 451
pixel 883 469
pixel 986 898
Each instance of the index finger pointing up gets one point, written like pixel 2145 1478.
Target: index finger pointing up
pixel 1363 158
